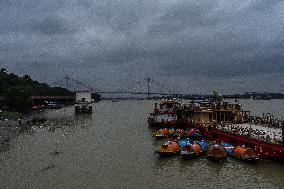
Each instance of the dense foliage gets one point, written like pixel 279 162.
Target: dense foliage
pixel 15 91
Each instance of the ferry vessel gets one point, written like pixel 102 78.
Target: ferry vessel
pixel 166 115
pixel 223 122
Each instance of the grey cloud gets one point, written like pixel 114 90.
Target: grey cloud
pixel 210 42
pixel 184 16
pixel 52 26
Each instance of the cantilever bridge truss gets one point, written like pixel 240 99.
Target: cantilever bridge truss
pixel 147 86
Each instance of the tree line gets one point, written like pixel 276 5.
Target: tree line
pixel 15 91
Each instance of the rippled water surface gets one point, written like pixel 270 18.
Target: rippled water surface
pixel 114 148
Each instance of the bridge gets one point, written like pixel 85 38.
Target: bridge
pixel 147 86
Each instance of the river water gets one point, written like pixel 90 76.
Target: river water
pixel 114 148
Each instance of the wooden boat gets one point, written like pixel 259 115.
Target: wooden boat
pixel 193 149
pixel 182 142
pixel 194 133
pixel 190 151
pixel 245 153
pixel 169 148
pixel 228 147
pixel 203 145
pixel 216 152
pixel 161 133
pixel 172 131
pixel 263 149
pixel 179 133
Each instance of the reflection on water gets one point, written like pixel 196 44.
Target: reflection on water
pixel 114 148
pixel 163 164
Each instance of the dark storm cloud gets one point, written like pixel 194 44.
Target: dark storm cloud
pixel 225 45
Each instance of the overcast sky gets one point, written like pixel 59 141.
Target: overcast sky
pixel 190 46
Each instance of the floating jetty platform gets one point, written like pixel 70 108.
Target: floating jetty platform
pixel 83 102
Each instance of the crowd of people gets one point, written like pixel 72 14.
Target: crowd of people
pixel 265 134
pixel 269 121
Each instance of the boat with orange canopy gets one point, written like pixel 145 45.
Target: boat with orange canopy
pixel 216 152
pixel 190 151
pixel 169 148
pixel 163 133
pixel 245 153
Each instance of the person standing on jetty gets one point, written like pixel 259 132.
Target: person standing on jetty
pixel 20 121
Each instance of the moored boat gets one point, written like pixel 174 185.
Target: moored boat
pixel 191 150
pixel 182 142
pixel 228 147
pixel 169 148
pixel 218 120
pixel 245 153
pixel 263 149
pixel 161 133
pixel 172 131
pixel 166 115
pixel 216 152
pixel 194 134
pixel 203 145
pixel 179 133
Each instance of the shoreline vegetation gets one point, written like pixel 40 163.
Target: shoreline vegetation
pixel 10 115
pixel 20 95
pixel 16 93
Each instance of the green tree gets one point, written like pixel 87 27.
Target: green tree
pixel 17 99
pixel 3 70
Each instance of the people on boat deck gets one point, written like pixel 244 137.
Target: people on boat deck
pixel 265 120
pixel 268 136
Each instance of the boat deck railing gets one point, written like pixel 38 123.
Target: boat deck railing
pixel 269 135
pixel 270 121
pixel 206 108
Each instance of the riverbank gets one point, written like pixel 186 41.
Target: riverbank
pixel 13 123
pixel 8 130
